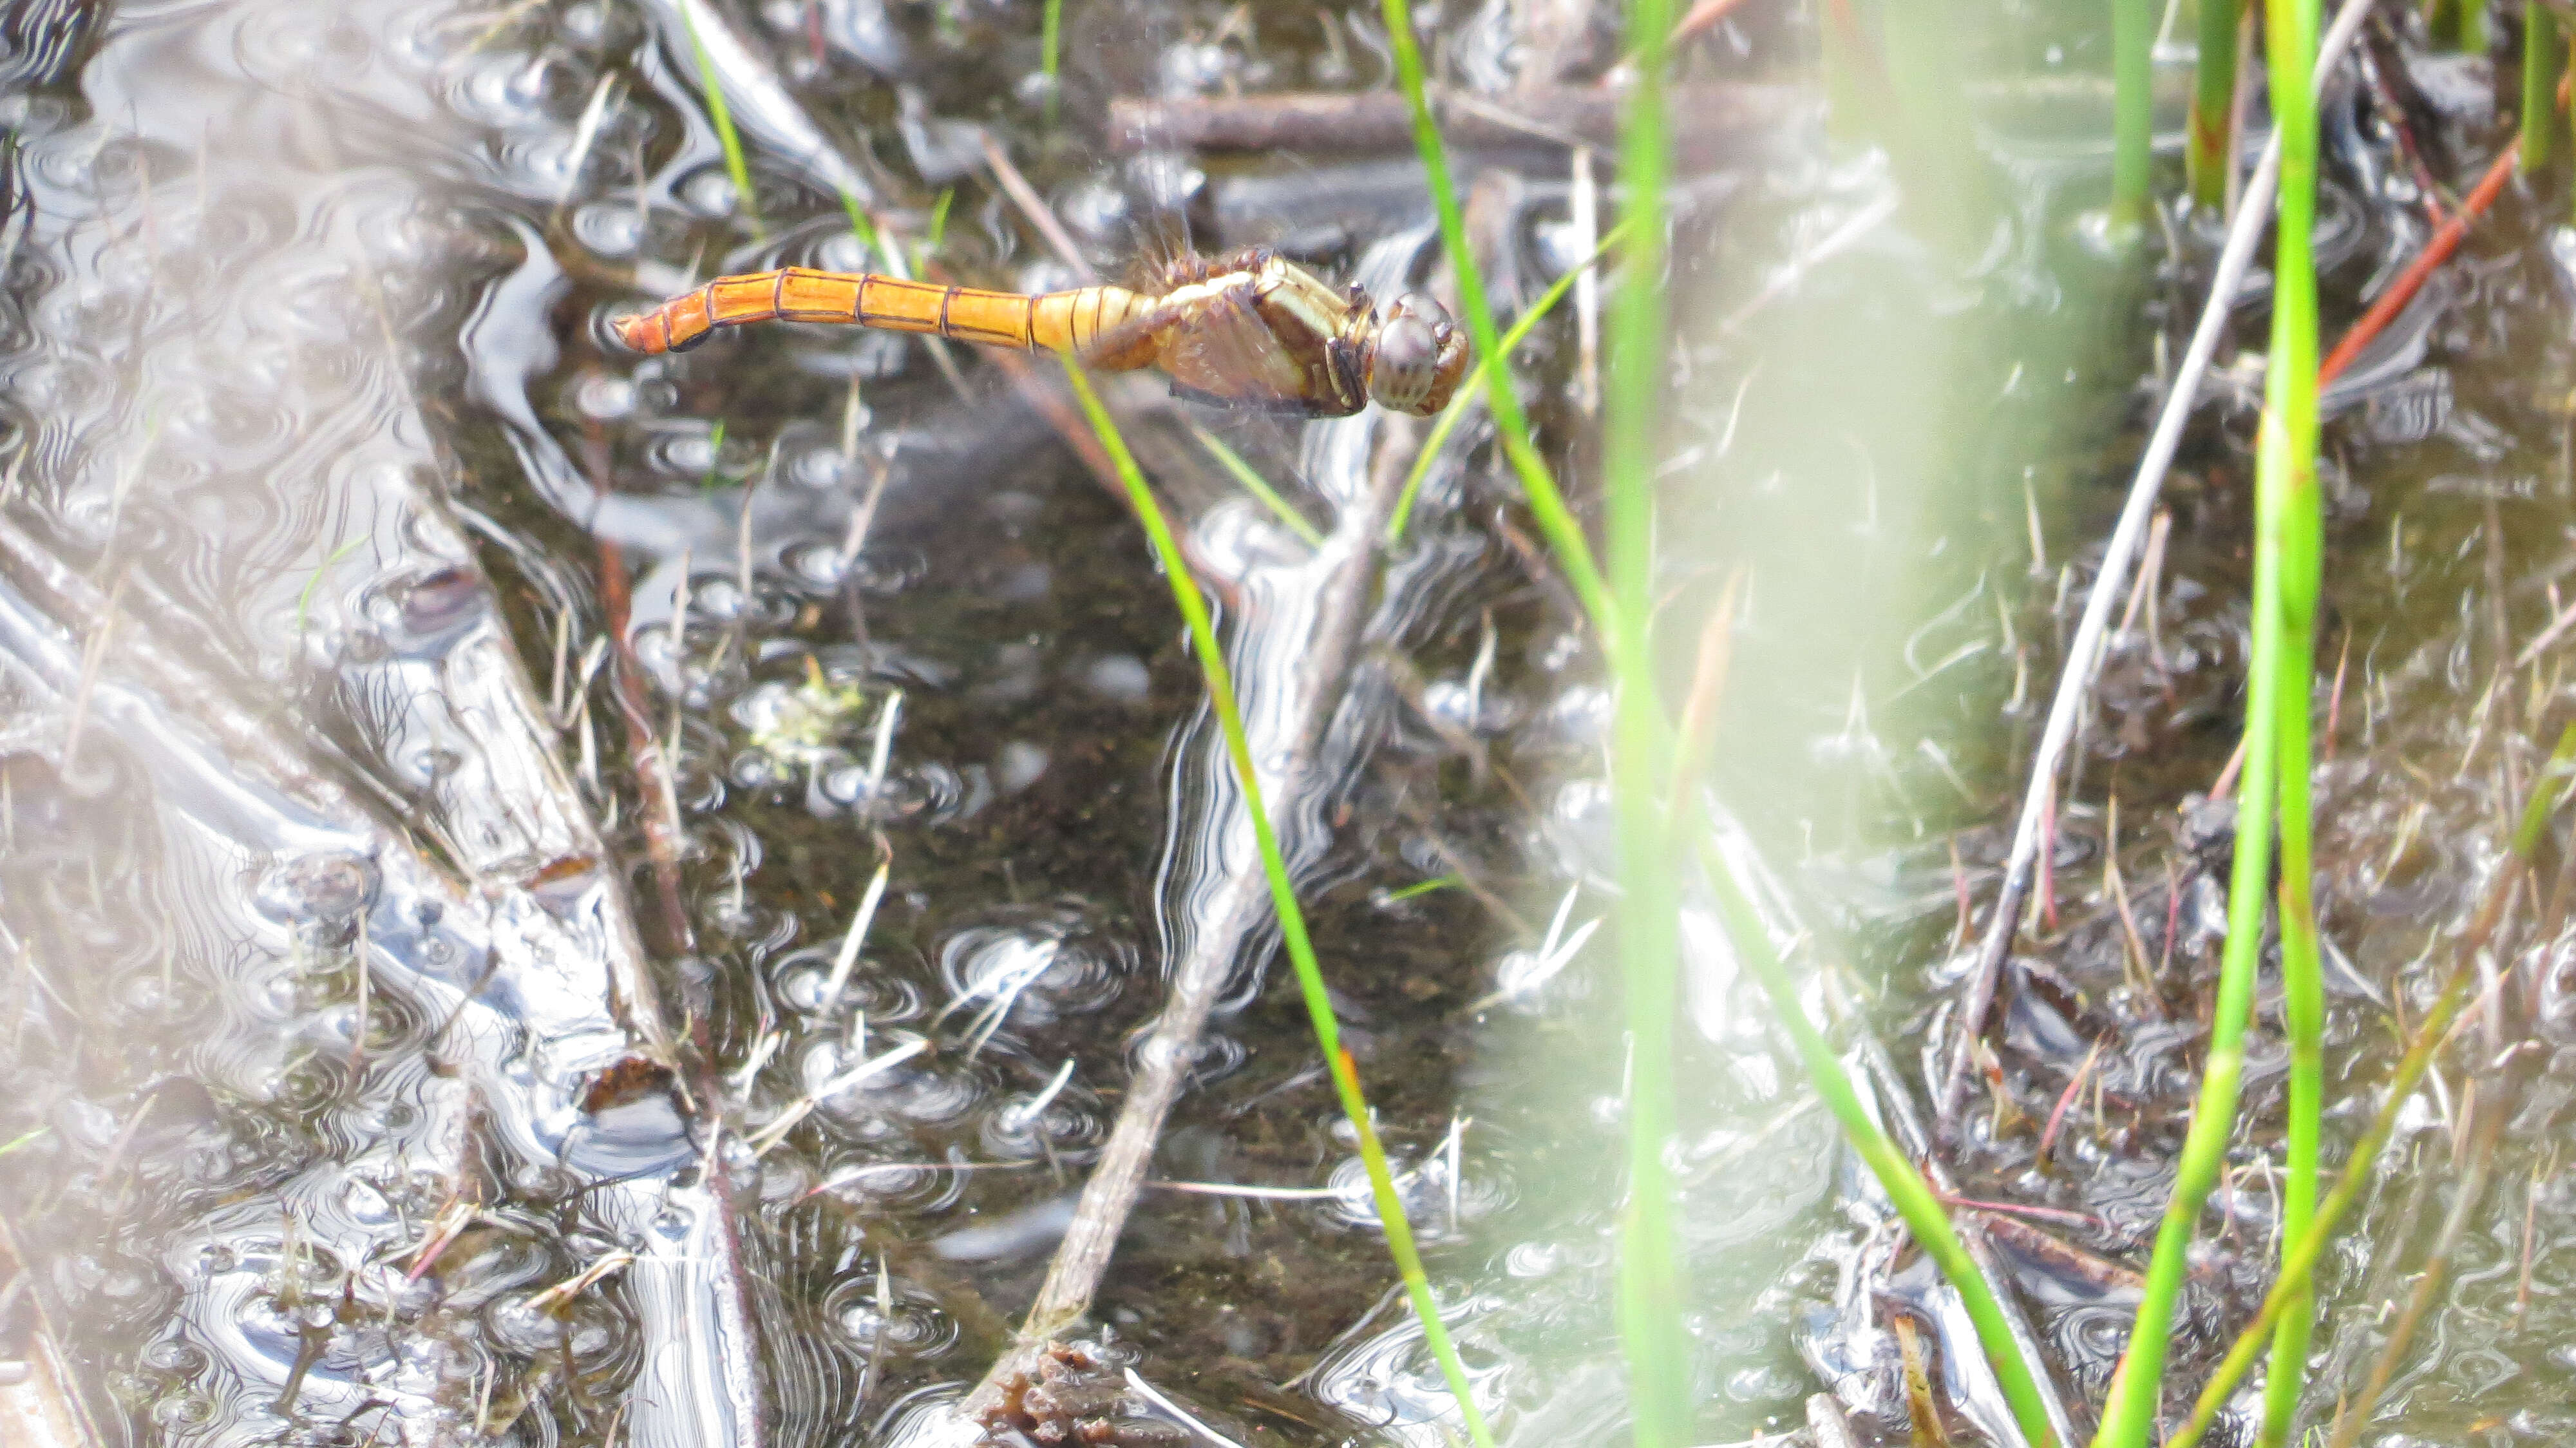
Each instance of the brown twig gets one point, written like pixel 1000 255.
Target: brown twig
pixel 2071 1260
pixel 1237 912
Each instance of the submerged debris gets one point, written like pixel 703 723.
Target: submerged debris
pixel 1078 1394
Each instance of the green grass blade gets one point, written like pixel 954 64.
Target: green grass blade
pixel 864 227
pixel 1547 505
pixel 715 457
pixel 2293 494
pixel 1283 898
pixel 1565 536
pixel 1050 38
pixel 1465 402
pixel 737 165
pixel 1648 910
pixel 2211 149
pixel 2298 1265
pixel 2540 67
pixel 2133 112
pixel 1915 1200
pixel 939 219
pixel 1257 485
pixel 2284 559
pixel 2130 1411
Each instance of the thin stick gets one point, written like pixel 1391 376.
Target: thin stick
pixel 1034 207
pixel 858 932
pixel 2084 654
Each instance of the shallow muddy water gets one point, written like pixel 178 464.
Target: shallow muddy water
pixel 448 760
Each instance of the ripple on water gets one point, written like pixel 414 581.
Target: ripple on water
pixel 1021 975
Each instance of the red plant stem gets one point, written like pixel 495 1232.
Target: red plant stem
pixel 653 768
pixel 2057 1117
pixel 2436 251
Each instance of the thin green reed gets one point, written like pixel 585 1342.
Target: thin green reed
pixel 2286 484
pixel 2540 66
pixel 1283 899
pixel 2278 691
pixel 1251 480
pixel 1915 1200
pixel 2211 150
pixel 2298 1265
pixel 2133 113
pixel 1564 533
pixel 1574 555
pixel 1648 911
pixel 1468 396
pixel 737 165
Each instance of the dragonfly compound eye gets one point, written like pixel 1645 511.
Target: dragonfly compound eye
pixel 1403 364
pixel 1420 373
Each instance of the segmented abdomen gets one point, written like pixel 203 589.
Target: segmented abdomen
pixel 1064 321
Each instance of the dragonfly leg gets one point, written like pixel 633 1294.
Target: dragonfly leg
pixel 1350 380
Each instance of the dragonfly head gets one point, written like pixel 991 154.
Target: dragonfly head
pixel 1415 357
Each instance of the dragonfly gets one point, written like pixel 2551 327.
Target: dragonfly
pixel 1253 331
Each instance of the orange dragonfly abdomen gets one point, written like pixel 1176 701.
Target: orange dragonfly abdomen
pixel 1067 321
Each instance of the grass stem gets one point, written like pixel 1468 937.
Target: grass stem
pixel 1547 505
pixel 2133 114
pixel 2285 564
pixel 737 165
pixel 1904 1184
pixel 1283 898
pixel 2286 484
pixel 2211 151
pixel 2299 1264
pixel 2540 67
pixel 1465 402
pixel 1621 609
pixel 1648 910
pixel 1258 486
